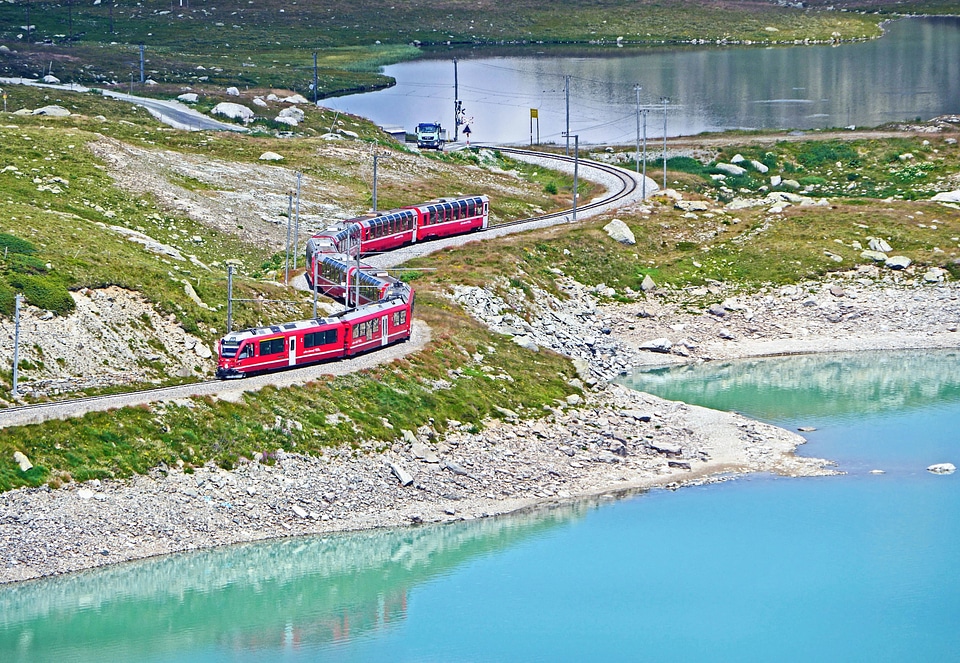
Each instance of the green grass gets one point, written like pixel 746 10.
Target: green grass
pixel 912 167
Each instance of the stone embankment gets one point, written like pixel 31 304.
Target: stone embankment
pixel 617 441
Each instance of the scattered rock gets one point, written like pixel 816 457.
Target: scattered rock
pixel 402 475
pixel 189 97
pixel 270 156
pixel 20 459
pixel 898 262
pixel 233 111
pixel 619 232
pixel 657 345
pixel 52 111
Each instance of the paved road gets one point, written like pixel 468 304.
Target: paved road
pixel 174 113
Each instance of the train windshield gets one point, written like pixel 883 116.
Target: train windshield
pixel 228 349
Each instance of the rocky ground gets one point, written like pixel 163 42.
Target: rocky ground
pixel 610 440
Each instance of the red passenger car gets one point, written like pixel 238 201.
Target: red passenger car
pixel 322 339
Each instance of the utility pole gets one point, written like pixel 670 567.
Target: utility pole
pixel 286 273
pixel 315 80
pixel 637 88
pixel 664 101
pixel 576 168
pixel 643 186
pixel 356 299
pixel 456 103
pixel 142 78
pixel 376 159
pixel 566 89
pixel 16 344
pixel 112 3
pixel 296 225
pixel 229 298
pixel 27 5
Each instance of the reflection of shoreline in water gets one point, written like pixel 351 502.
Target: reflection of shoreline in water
pixel 839 383
pixel 257 596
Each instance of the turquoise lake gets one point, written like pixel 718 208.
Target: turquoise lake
pixel 858 567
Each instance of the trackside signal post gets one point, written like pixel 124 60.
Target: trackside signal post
pixel 534 115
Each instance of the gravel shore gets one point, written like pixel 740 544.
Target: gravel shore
pixel 610 440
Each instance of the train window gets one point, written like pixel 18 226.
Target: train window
pixel 246 352
pixel 271 346
pixel 399 318
pixel 330 336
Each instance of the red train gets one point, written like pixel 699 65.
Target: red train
pixel 385 231
pixel 382 306
pixel 344 278
pixel 367 327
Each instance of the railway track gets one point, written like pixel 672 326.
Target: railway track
pixel 625 188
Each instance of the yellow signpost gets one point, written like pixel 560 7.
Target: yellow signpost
pixel 534 115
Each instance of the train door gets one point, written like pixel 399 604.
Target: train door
pixel 384 329
pixel 292 356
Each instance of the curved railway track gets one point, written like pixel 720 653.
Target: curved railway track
pixel 38 412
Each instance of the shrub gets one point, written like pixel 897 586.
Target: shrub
pixel 26 264
pixel 13 244
pixel 551 188
pixel 7 295
pixel 44 292
pixel 815 154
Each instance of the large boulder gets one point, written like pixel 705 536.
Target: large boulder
pixel 51 79
pixel 292 116
pixel 619 232
pixel 731 169
pixel 948 197
pixel 189 97
pixel 897 262
pixel 52 111
pixel 233 92
pixel 657 345
pixel 233 111
pixel 878 244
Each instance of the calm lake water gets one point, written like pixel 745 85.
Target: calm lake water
pixel 854 567
pixel 912 72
